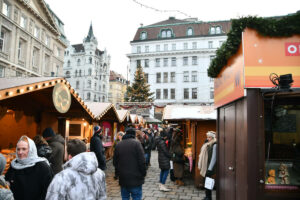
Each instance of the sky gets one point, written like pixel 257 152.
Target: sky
pixel 115 22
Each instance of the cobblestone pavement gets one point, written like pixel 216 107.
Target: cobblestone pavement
pixel 150 188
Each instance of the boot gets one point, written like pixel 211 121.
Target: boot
pixel 163 188
pixel 180 183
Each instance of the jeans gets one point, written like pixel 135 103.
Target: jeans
pixel 163 175
pixel 135 192
pixel 147 158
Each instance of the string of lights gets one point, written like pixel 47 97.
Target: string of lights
pixel 159 10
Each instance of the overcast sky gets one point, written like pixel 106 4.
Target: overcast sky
pixel 115 22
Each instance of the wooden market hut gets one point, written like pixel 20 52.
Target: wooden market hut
pixel 29 105
pixel 107 117
pixel 195 122
pixel 258 115
pixel 125 120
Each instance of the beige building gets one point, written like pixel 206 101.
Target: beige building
pixel 30 40
pixel 117 88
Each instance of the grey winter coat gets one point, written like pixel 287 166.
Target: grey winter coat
pixel 5 193
pixel 56 159
pixel 80 179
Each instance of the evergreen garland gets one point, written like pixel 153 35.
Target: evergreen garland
pixel 140 89
pixel 272 27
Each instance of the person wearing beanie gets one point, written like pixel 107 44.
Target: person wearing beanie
pixel 57 143
pixel 5 192
pixel 130 165
pixel 96 146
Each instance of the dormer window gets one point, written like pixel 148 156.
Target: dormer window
pixel 169 33
pixel 143 35
pixel 212 30
pixel 215 30
pixel 218 30
pixel 166 33
pixel 189 32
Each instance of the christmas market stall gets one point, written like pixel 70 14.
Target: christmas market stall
pixel 125 120
pixel 107 117
pixel 29 105
pixel 257 96
pixel 195 122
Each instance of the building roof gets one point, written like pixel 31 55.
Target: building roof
pixel 100 109
pixel 179 28
pixel 183 112
pixel 114 75
pixel 80 48
pixel 122 114
pixel 6 83
pixel 90 34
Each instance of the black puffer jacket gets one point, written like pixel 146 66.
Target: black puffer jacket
pixel 96 146
pixel 44 150
pixel 164 155
pixel 57 144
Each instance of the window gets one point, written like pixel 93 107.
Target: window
pixel 189 32
pixel 147 63
pixel 166 47
pixel 146 49
pixel 95 98
pixel 47 63
pixel 103 99
pixel 78 62
pixel 185 45
pixel 76 73
pixel 165 77
pixel 80 73
pixel 218 30
pixel 89 84
pixel 158 47
pixel 18 74
pixel 2 71
pixel 95 85
pixel 36 32
pixel 220 43
pixel 164 34
pixel 57 52
pixel 169 33
pixel 20 47
pixel 143 36
pixel 185 76
pixel 91 60
pixel 211 93
pixel 138 63
pixel 185 60
pixel 173 47
pixel 166 62
pixel 172 93
pixel 69 63
pixel 173 61
pixel 194 93
pixel 194 76
pixel 210 44
pixel 2 40
pixel 165 93
pixel 35 57
pixel 158 77
pixel 158 94
pixel 68 74
pixel 194 60
pixel 90 72
pixel 186 93
pixel 212 30
pixel 23 22
pixel 138 49
pixel 6 9
pixel 16 14
pixel 173 76
pixel 47 40
pixel 88 96
pixel 146 77
pixel 157 62
pixel 194 45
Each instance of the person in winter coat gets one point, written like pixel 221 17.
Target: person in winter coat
pixel 129 162
pixel 5 192
pixel 29 175
pixel 164 157
pixel 81 177
pixel 177 157
pixel 96 146
pixel 43 149
pixel 57 143
pixel 207 159
pixel 148 150
pixel 120 134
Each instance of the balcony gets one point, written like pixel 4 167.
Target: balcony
pixel 3 55
pixel 21 63
pixel 35 69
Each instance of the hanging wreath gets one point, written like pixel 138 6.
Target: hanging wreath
pixel 157 106
pixel 126 107
pixel 144 106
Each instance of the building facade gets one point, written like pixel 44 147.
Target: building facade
pixel 30 41
pixel 175 55
pixel 87 69
pixel 117 88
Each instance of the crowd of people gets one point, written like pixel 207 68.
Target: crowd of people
pixel 49 168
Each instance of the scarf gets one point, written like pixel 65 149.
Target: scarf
pixel 31 159
pixel 203 157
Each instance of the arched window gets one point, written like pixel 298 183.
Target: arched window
pixel 77 84
pixel 80 73
pixel 164 34
pixel 169 33
pixel 190 31
pixel 78 62
pixel 218 30
pixel 76 72
pixel 143 36
pixel 91 60
pixel 68 74
pixel 88 96
pixel 212 30
pixel 89 84
pixel 69 63
pixel 90 72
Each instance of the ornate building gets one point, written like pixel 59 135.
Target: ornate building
pixel 87 69
pixel 117 88
pixel 175 55
pixel 30 40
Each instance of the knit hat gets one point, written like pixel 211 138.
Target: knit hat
pixel 48 132
pixel 2 163
pixel 211 134
pixel 97 129
pixel 130 131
